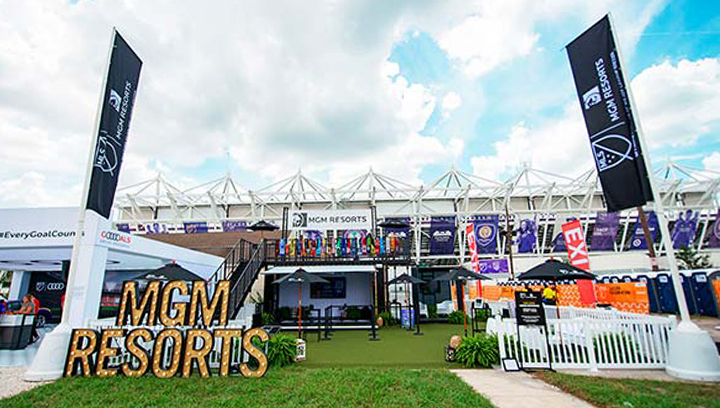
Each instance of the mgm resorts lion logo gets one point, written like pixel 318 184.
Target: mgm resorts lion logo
pixel 299 220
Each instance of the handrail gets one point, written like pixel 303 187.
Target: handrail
pixel 247 277
pixel 233 258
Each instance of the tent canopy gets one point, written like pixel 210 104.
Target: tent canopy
pixel 555 270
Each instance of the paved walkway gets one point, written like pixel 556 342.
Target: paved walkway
pixel 518 390
pixel 11 381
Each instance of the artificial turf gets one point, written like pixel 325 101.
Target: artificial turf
pixel 635 393
pixel 397 348
pixel 289 387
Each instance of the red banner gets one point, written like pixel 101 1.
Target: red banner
pixel 575 243
pixel 475 259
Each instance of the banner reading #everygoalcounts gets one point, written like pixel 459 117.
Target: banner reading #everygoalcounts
pixel 608 117
pixel 118 100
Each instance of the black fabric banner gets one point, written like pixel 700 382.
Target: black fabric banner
pixel 608 116
pixel 119 98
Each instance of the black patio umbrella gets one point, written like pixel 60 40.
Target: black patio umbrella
pixel 555 270
pixel 301 276
pixel 263 225
pixel 393 223
pixel 408 279
pixel 460 275
pixel 170 272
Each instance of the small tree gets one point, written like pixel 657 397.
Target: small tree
pixel 689 258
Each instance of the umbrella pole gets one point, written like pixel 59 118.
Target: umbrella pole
pixel 462 293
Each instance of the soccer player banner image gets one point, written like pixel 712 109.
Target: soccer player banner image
pixel 683 234
pixel 638 239
pixel 606 228
pixel 527 236
pixel 714 240
pixel 118 101
pixel 608 117
pixel 442 235
pixel 486 230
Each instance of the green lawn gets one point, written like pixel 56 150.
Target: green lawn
pixel 291 387
pixel 626 393
pixel 397 348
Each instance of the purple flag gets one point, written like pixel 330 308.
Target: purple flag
pixel 606 228
pixel 123 228
pixel 486 229
pixel 527 236
pixel 229 226
pixel 714 241
pixel 638 239
pixel 442 235
pixel 493 266
pixel 683 234
pixel 195 227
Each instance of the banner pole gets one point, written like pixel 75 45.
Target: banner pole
pixel 648 238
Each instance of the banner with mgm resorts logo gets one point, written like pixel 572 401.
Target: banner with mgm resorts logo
pixel 319 220
pixel 119 98
pixel 608 116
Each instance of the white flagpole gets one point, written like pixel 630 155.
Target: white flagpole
pixel 692 352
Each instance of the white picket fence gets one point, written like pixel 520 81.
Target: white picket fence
pixel 586 342
pixel 124 356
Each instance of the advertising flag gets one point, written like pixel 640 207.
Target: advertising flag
pixel 714 240
pixel 638 239
pixel 575 243
pixel 442 235
pixel 606 228
pixel 605 105
pixel 472 245
pixel 683 234
pixel 486 229
pixel 115 114
pixel 527 236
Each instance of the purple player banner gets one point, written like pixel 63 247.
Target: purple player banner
pixel 714 239
pixel 486 229
pixel 638 239
pixel 527 236
pixel 493 266
pixel 229 226
pixel 606 228
pixel 683 234
pixel 442 235
pixel 195 227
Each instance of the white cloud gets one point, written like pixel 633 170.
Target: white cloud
pixel 712 162
pixel 450 102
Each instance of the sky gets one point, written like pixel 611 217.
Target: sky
pixel 409 88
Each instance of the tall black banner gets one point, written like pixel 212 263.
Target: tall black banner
pixel 608 116
pixel 118 100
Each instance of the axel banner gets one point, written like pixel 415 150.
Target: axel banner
pixel 683 234
pixel 606 228
pixel 575 242
pixel 638 239
pixel 442 235
pixel 472 245
pixel 486 229
pixel 608 116
pixel 118 100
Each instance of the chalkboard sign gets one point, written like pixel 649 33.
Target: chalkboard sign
pixel 529 308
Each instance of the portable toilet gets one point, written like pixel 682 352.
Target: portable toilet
pixel 702 289
pixel 666 294
pixel 627 279
pixel 652 293
pixel 614 279
pixel 689 295
pixel 606 279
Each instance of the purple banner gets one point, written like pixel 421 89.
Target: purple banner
pixel 638 239
pixel 401 233
pixel 558 241
pixel 123 228
pixel 195 227
pixel 229 226
pixel 605 231
pixel 714 240
pixel 486 229
pixel 493 266
pixel 527 236
pixel 442 235
pixel 155 228
pixel 683 234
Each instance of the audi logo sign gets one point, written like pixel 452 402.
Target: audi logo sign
pixel 114 236
pixel 41 286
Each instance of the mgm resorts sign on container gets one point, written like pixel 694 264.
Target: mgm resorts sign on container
pixel 167 337
pixel 328 220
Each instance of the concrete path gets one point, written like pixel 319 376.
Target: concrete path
pixel 11 381
pixel 518 390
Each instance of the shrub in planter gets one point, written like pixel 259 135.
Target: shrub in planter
pixel 432 311
pixel 456 317
pixel 281 350
pixel 480 350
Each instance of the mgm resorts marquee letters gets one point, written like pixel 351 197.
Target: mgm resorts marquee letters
pixel 89 351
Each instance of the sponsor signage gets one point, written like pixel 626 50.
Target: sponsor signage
pixel 167 339
pixel 442 236
pixel 317 220
pixel 606 227
pixel 605 105
pixel 229 226
pixel 195 227
pixel 115 114
pixel 575 243
pixel 493 266
pixel 114 239
pixel 529 309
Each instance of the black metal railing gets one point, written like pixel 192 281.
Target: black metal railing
pixel 234 260
pixel 241 282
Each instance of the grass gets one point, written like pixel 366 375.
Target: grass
pixel 290 387
pixel 632 393
pixel 397 348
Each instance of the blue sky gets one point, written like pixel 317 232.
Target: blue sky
pixel 408 87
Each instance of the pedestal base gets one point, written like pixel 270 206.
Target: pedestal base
pixel 692 355
pixel 49 361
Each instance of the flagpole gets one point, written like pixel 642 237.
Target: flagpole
pixel 691 351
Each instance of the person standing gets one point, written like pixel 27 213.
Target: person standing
pixel 549 296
